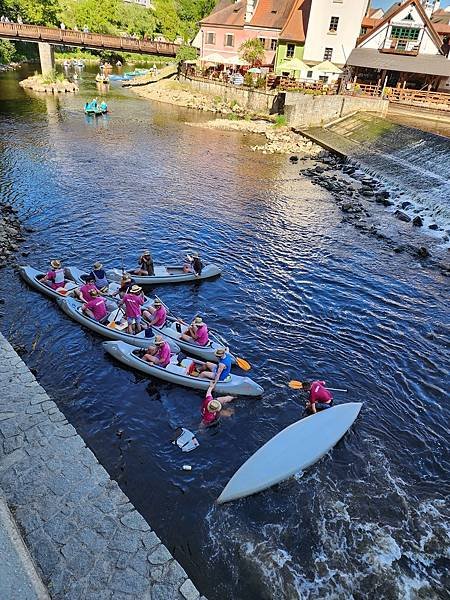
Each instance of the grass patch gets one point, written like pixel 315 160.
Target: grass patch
pixel 280 121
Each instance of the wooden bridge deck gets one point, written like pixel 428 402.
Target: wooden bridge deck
pixel 96 41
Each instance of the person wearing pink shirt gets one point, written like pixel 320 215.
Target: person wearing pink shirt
pixel 55 277
pixel 212 409
pixel 157 314
pixel 83 292
pixel 319 397
pixel 159 354
pixel 96 307
pixel 197 332
pixel 133 301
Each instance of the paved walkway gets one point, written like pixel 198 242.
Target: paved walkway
pixel 82 532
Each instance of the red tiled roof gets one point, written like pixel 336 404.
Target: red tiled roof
pixel 271 13
pixel 442 28
pixel 369 23
pixel 297 22
pixel 231 14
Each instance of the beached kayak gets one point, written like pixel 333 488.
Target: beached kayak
pixel 78 276
pixel 292 450
pixel 166 274
pixel 174 373
pixel 33 278
pixel 72 308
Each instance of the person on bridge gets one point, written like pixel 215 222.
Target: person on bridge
pixel 62 26
pixel 19 20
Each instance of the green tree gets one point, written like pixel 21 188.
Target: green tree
pixel 186 52
pixel 7 52
pixel 99 16
pixel 252 51
pixel 136 19
pixel 40 12
pixel 168 22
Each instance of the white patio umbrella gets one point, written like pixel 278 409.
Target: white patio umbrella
pixel 235 60
pixel 294 64
pixel 327 67
pixel 214 58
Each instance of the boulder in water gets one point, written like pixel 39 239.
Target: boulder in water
pixel 417 221
pixel 421 252
pixel 406 205
pixel 433 226
pixel 402 216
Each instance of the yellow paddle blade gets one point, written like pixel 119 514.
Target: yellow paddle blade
pixel 112 325
pixel 243 364
pixel 62 292
pixel 295 385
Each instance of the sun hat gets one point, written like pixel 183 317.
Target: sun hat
pixel 145 252
pixel 157 302
pixel 220 352
pixel 126 277
pixel 198 321
pixel 55 264
pixel 98 265
pixel 158 340
pixel 195 255
pixel 214 406
pixel 135 289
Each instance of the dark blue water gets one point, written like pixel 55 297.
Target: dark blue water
pixel 301 295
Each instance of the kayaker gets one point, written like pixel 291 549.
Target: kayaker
pixel 55 277
pixel 145 264
pixel 197 332
pixel 133 300
pixel 212 409
pixel 83 292
pixel 156 315
pixel 319 397
pixel 197 264
pixel 104 106
pixel 126 283
pixel 220 371
pixel 99 275
pixel 159 354
pixel 96 307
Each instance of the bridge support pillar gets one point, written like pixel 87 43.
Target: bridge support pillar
pixel 47 57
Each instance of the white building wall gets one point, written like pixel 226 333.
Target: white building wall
pixel 318 37
pixel 382 38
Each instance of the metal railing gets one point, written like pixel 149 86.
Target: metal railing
pixel 97 41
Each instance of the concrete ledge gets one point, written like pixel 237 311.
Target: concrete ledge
pixel 84 535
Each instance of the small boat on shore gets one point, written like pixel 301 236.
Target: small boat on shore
pixel 178 373
pixel 166 274
pixel 72 308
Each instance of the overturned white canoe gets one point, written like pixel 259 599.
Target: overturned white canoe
pixel 166 274
pixel 174 373
pixel 294 449
pixel 33 277
pixel 73 309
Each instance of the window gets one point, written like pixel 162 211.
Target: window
pixel 309 74
pixel 210 38
pixel 334 21
pixel 263 41
pixel 405 33
pixel 273 44
pixel 290 51
pixel 229 39
pixel 328 54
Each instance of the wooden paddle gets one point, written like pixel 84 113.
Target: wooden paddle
pixel 298 385
pixel 241 362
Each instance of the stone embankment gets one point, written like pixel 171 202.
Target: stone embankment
pixel 37 84
pixel 364 199
pixel 280 140
pixel 10 233
pixel 84 535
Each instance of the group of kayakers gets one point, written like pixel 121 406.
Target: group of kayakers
pixel 98 304
pixel 94 106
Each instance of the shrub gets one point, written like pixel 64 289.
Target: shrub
pixel 280 121
pixel 248 80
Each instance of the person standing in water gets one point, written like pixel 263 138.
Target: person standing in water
pixel 319 397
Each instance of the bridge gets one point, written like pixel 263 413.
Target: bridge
pixel 47 37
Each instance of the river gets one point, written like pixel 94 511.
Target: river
pixel 302 295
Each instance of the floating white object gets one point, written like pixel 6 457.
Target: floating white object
pixel 294 449
pixel 185 440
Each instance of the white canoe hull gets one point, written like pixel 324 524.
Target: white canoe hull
pixel 166 274
pixel 238 386
pixel 73 310
pixel 294 449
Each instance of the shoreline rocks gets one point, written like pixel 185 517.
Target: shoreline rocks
pixel 37 84
pixel 10 233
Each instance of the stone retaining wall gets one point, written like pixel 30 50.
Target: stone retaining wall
pixel 85 536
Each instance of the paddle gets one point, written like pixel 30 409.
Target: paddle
pixel 241 362
pixel 112 324
pixel 298 385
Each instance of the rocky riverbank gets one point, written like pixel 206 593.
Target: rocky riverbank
pixel 11 233
pixel 279 139
pixel 37 83
pixel 368 205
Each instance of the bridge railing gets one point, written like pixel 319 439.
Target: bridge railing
pixel 69 37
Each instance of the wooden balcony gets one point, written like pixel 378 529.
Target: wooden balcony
pixel 393 50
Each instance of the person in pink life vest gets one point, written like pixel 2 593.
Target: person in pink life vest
pixel 197 332
pixel 212 409
pixel 159 354
pixel 319 397
pixel 156 315
pixel 96 307
pixel 55 277
pixel 133 301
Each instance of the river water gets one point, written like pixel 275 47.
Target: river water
pixel 301 295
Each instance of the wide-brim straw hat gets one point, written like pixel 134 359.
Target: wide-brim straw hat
pixel 145 252
pixel 214 406
pixel 136 289
pixel 159 340
pixel 157 303
pixel 198 321
pixel 55 264
pixel 98 265
pixel 220 352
